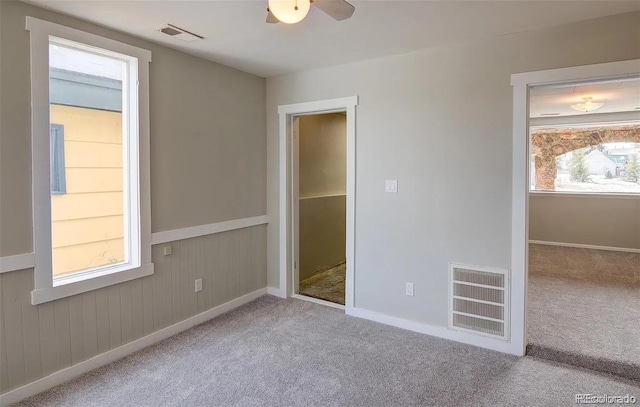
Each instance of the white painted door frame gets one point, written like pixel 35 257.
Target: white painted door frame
pixel 286 254
pixel 522 83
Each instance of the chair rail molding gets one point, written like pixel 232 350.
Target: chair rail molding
pixel 27 260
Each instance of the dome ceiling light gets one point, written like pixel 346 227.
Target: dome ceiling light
pixel 587 105
pixel 294 11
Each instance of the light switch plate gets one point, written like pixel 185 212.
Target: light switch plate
pixel 167 250
pixel 391 185
pixel 409 289
pixel 198 286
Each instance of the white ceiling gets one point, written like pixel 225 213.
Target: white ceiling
pixel 236 34
pixel 617 96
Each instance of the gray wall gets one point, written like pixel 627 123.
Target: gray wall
pixel 208 157
pixel 449 146
pixel 591 220
pixel 323 184
pixel 323 154
pixel 208 145
pixel 38 340
pixel 323 234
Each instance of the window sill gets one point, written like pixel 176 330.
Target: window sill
pixel 89 283
pixel 585 194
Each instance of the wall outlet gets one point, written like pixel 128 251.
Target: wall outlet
pixel 167 250
pixel 409 289
pixel 198 285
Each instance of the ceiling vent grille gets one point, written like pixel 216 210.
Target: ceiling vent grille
pixel 479 300
pixel 179 33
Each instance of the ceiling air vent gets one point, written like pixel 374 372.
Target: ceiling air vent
pixel 179 33
pixel 479 300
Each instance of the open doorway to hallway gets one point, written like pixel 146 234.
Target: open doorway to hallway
pixel 320 218
pixel 584 225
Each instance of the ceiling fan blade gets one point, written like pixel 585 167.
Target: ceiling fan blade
pixel 338 9
pixel 271 19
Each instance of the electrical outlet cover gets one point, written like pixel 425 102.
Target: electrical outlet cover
pixel 409 289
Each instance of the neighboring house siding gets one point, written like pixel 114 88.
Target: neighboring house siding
pixel 600 164
pixel 88 218
pixel 77 89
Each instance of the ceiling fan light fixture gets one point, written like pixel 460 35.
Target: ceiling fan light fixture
pixel 587 105
pixel 289 11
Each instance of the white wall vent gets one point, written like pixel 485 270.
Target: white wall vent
pixel 479 300
pixel 179 33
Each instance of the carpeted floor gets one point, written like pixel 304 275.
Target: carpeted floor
pixel 585 323
pixel 275 352
pixel 584 308
pixel 328 285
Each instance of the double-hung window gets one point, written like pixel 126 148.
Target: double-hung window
pixel 90 141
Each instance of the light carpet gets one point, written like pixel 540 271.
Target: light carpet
pixel 584 308
pixel 275 352
pixel 585 323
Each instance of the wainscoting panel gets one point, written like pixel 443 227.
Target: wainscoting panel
pixel 36 341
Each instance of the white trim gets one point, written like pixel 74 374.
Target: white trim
pixel 560 194
pixel 17 262
pixel 136 159
pixel 618 118
pixel 43 27
pixel 437 331
pixel 577 74
pixel 286 252
pixel 585 246
pixel 46 294
pixel 302 198
pixel 203 230
pixel 520 175
pixel 276 292
pixel 319 106
pixel 102 359
pixel 317 301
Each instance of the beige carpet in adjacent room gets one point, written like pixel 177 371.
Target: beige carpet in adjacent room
pixel 584 308
pixel 328 285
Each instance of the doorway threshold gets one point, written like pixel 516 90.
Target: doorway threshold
pixel 318 301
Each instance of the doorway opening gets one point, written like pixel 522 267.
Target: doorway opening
pixel 576 224
pixel 584 224
pixel 297 205
pixel 320 217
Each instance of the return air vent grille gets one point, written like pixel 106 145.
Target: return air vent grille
pixel 479 300
pixel 179 33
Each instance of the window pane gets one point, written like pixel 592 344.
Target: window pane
pixel 585 138
pixel 88 216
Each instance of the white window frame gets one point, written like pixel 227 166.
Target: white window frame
pixel 601 119
pixel 136 152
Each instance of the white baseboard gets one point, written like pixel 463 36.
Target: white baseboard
pixel 437 331
pixel 585 246
pixel 275 292
pixel 102 359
